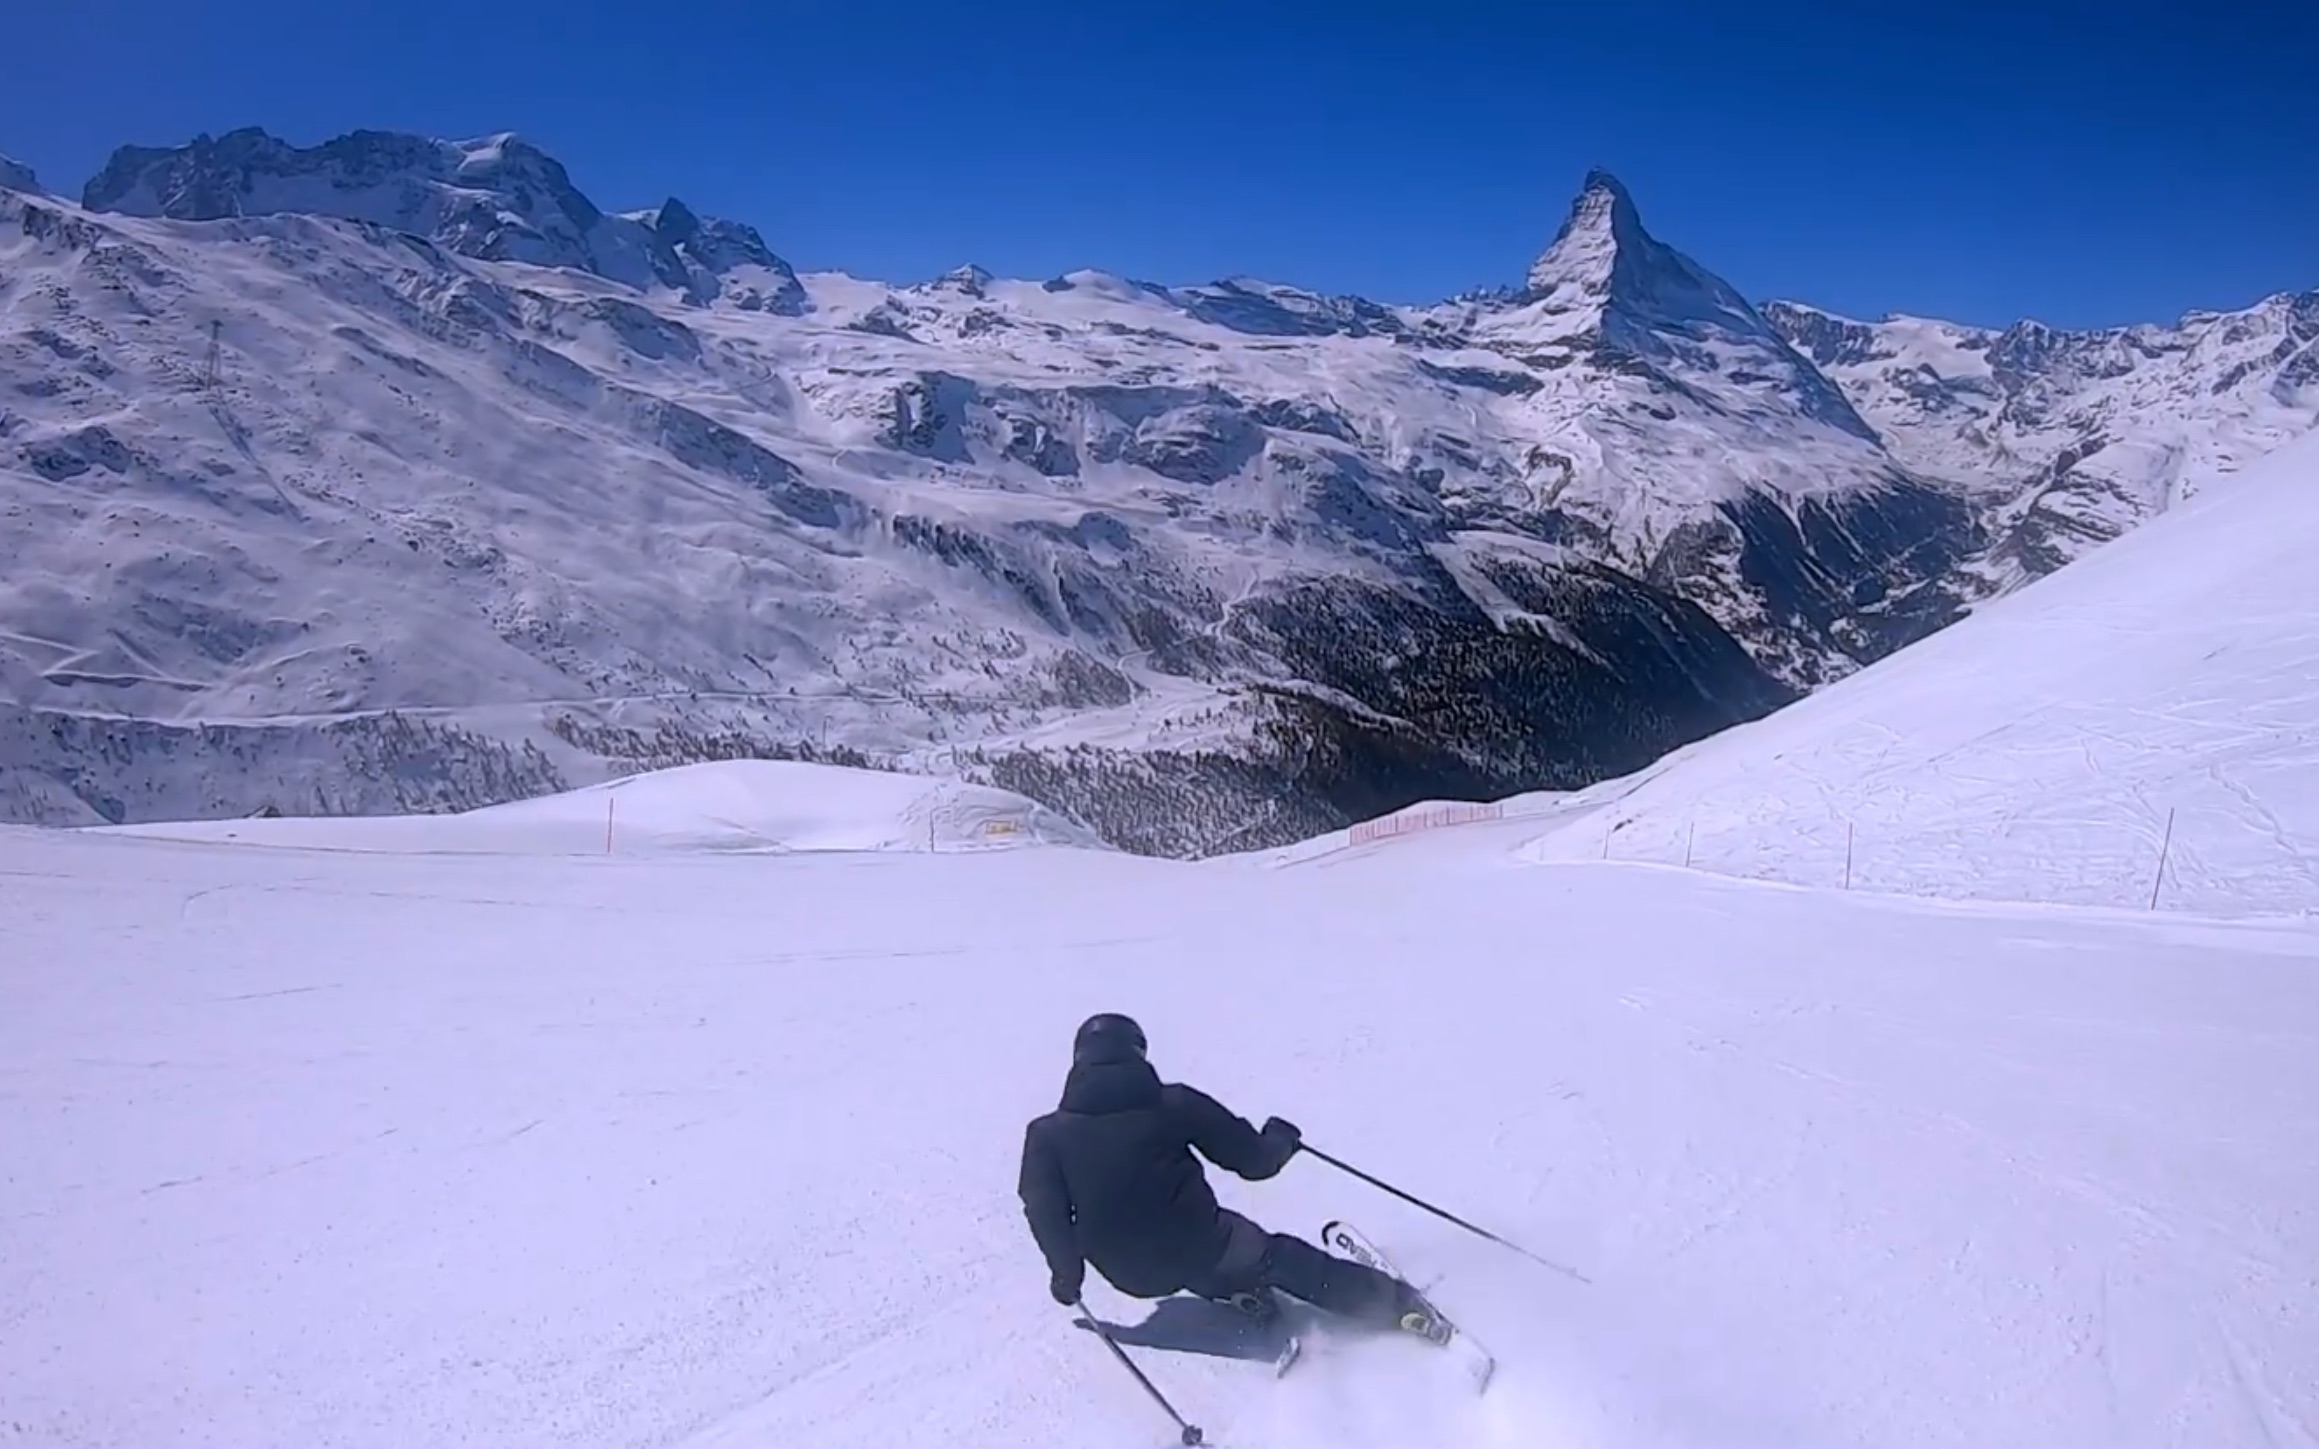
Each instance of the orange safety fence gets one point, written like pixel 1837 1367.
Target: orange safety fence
pixel 1433 817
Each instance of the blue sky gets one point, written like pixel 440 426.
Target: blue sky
pixel 2085 163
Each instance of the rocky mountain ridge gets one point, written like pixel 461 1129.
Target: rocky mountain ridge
pixel 495 198
pixel 398 429
pixel 2075 437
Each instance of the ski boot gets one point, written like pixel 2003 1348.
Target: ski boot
pixel 1261 1307
pixel 1266 1323
pixel 1417 1317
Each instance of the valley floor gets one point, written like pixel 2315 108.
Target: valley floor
pixel 387 1150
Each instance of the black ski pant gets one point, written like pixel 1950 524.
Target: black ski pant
pixel 1257 1261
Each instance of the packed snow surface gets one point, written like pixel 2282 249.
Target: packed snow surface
pixel 737 805
pixel 2040 749
pixel 379 1146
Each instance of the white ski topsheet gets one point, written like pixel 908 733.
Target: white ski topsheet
pixel 374 1151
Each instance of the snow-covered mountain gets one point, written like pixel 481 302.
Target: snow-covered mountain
pixel 1657 419
pixel 16 176
pixel 2074 436
pixel 394 473
pixel 499 198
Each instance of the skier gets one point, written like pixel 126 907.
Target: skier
pixel 1109 1178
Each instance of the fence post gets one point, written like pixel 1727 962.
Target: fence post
pixel 1690 839
pixel 609 802
pixel 1847 855
pixel 2165 846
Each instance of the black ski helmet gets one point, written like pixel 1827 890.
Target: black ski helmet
pixel 1108 1036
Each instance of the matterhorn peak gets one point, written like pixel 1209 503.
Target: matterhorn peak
pixel 1605 271
pixel 1603 200
pixel 1601 243
pixel 16 176
pixel 1606 282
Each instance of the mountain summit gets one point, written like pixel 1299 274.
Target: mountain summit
pixel 498 198
pixel 1672 428
pixel 16 176
pixel 1602 236
pixel 1604 268
pixel 723 258
pixel 1609 291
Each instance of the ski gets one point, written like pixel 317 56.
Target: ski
pixel 1292 1342
pixel 1290 1352
pixel 1353 1243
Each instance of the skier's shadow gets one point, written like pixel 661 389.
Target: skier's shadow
pixel 1187 1324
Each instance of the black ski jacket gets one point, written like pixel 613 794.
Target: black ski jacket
pixel 1109 1177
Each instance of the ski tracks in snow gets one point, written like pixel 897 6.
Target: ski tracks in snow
pixel 2058 1310
pixel 2138 1215
pixel 719 1154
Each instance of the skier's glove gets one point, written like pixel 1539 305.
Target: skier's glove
pixel 1064 1287
pixel 1282 1127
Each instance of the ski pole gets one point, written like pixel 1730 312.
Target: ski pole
pixel 1192 1434
pixel 1440 1213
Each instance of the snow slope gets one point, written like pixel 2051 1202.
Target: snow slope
pixel 737 805
pixel 2038 749
pixel 367 1149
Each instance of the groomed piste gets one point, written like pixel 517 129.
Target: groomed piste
pixel 736 806
pixel 465 1131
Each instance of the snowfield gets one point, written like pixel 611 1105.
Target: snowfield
pixel 739 805
pixel 397 1143
pixel 2039 750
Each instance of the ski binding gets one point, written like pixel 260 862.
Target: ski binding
pixel 1339 1236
